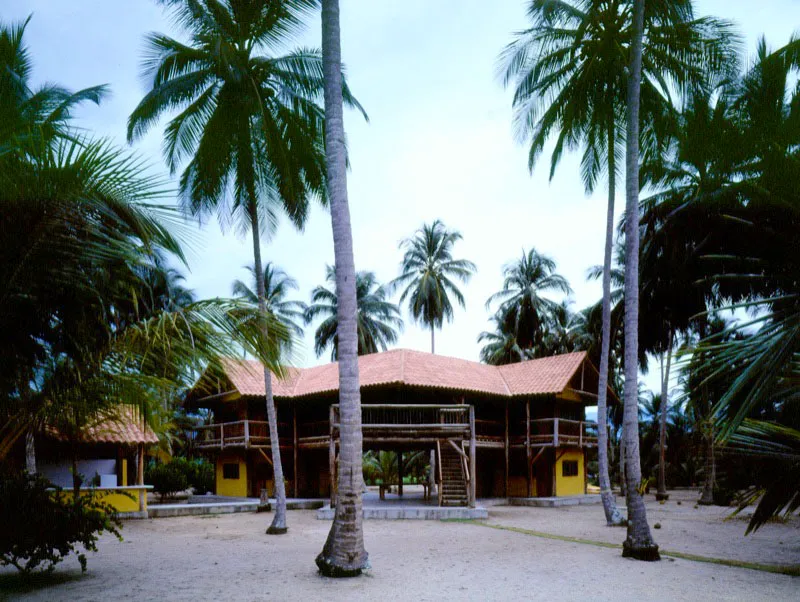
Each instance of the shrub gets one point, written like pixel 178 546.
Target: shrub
pixel 41 527
pixel 199 473
pixel 167 479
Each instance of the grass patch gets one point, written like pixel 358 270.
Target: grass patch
pixel 792 570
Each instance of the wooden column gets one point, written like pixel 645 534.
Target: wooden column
pixel 472 467
pixel 332 459
pixel 140 476
pixel 294 447
pixel 400 473
pixel 528 473
pixel 555 432
pixel 507 452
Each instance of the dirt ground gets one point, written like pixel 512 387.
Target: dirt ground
pixel 229 557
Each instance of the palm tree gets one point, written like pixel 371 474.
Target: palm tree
pixel 501 346
pixel 378 320
pixel 343 554
pixel 277 285
pixel 639 543
pixel 251 124
pixel 427 273
pixel 35 115
pixel 522 307
pixel 569 69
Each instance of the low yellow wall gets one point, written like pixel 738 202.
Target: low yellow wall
pixel 122 500
pixel 232 487
pixel 570 485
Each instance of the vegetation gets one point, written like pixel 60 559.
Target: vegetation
pixel 277 285
pixel 39 526
pixel 377 322
pixel 427 273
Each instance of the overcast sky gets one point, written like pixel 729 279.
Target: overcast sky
pixel 439 143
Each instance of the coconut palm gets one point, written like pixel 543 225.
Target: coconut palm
pixel 40 114
pixel 378 320
pixel 639 542
pixel 428 271
pixel 250 126
pixel 277 285
pixel 521 305
pixel 501 346
pixel 569 71
pixel 343 554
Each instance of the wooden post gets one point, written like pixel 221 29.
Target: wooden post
pixel 580 434
pixel 140 476
pixel 332 460
pixel 472 467
pixel 529 474
pixel 400 473
pixel 247 433
pixel 507 452
pixel 555 432
pixel 294 445
pixel 221 436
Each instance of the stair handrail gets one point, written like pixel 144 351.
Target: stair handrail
pixel 439 469
pixel 465 466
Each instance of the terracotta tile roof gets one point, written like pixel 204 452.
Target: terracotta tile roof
pixel 416 369
pixel 125 428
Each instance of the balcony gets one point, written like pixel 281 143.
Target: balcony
pixel 241 434
pixel 560 432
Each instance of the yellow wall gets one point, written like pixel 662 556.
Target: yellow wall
pixel 232 487
pixel 124 472
pixel 126 500
pixel 570 485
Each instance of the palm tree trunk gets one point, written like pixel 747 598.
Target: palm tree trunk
pixel 709 477
pixel 343 554
pixel 623 488
pixel 278 526
pixel 661 493
pixel 432 346
pixel 613 516
pixel 30 453
pixel 639 543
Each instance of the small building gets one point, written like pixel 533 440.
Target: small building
pixel 110 460
pixel 496 431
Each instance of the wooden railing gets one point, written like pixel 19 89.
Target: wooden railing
pixel 410 419
pixel 241 433
pixel 555 432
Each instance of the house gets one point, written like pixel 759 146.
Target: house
pixel 496 431
pixel 110 458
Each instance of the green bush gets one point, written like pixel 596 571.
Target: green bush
pixel 39 528
pixel 167 479
pixel 199 473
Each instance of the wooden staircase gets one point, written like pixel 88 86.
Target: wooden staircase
pixel 453 480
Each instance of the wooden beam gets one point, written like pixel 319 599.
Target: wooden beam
pixel 505 489
pixel 400 473
pixel 528 445
pixel 332 460
pixel 294 446
pixel 472 467
pixel 266 457
pixel 536 457
pixel 457 448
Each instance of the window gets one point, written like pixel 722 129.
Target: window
pixel 569 468
pixel 231 471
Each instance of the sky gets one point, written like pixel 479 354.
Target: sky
pixel 439 144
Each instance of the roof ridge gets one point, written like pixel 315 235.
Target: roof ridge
pixel 505 382
pixel 403 366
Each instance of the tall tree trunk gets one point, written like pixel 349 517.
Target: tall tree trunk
pixel 623 487
pixel 709 472
pixel 613 516
pixel 278 526
pixel 432 347
pixel 343 554
pixel 639 543
pixel 661 493
pixel 30 452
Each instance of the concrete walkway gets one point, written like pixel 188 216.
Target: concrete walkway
pixel 226 507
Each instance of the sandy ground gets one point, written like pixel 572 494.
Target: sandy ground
pixel 229 557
